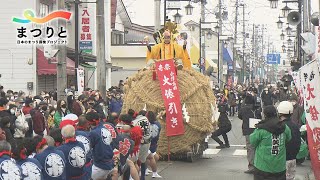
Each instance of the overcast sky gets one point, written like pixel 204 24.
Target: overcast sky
pixel 256 11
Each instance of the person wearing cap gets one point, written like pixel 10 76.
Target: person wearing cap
pixel 298 111
pixel 74 151
pixel 285 110
pixel 13 171
pixel 269 139
pixel 52 160
pixel 31 167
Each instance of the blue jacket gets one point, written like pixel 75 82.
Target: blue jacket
pixel 125 147
pixel 155 135
pixel 31 168
pixel 83 137
pixel 102 147
pixel 54 164
pixel 75 159
pixel 9 170
pixel 115 105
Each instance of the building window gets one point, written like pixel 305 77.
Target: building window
pixel 44 10
pixel 116 38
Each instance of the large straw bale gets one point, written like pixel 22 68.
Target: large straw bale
pixel 195 93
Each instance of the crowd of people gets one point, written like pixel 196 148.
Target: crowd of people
pixel 274 142
pixel 83 137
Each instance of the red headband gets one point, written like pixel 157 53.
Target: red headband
pixel 72 139
pixel 41 144
pixel 22 154
pixel 5 153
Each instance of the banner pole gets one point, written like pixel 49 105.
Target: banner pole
pixel 168 149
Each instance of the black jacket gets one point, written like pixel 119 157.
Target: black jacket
pixel 223 121
pixel 267 98
pixel 293 146
pixel 297 114
pixel 246 112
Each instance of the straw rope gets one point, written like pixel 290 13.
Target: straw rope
pixel 195 93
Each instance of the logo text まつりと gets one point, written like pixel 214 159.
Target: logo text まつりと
pixel 41 32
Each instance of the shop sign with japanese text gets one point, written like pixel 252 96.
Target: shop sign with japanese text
pixel 85 43
pixel 41 30
pixel 310 80
pixel 170 93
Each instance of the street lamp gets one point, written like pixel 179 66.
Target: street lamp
pixel 273 4
pixel 189 9
pixel 209 34
pixel 282 36
pixel 283 48
pixel 280 23
pixel 285 11
pixel 217 28
pixel 177 17
pixel 288 30
pixel 289 41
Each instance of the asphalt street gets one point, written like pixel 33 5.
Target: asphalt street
pixel 218 164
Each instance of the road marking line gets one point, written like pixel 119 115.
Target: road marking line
pixel 240 152
pixel 230 145
pixel 211 151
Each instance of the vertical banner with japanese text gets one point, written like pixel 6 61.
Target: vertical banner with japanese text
pixel 310 80
pixel 171 96
pixel 80 78
pixel 85 43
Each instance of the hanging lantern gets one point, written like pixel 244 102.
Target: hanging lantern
pixel 282 36
pixel 280 24
pixel 209 34
pixel 289 42
pixel 273 4
pixel 285 11
pixel 283 48
pixel 189 9
pixel 217 28
pixel 288 30
pixel 177 18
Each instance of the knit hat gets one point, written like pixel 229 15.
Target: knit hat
pixel 70 119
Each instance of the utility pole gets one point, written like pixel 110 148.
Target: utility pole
pixel 101 60
pixel 157 19
pixel 253 52
pixel 262 53
pixel 244 44
pixel 235 40
pixel 220 52
pixel 62 63
pixel 76 37
pixel 202 37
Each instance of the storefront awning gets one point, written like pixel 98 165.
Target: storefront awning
pixel 46 68
pixel 227 55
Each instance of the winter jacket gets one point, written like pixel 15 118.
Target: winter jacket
pixel 76 108
pixel 286 79
pixel 293 146
pixel 21 126
pixel 245 113
pixel 296 116
pixel 267 98
pixel 232 99
pixel 270 140
pixel 38 121
pixel 98 108
pixel 115 105
pixel 223 121
pixel 58 117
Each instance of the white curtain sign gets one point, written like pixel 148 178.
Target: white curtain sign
pixel 80 78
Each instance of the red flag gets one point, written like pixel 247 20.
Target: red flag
pixel 171 96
